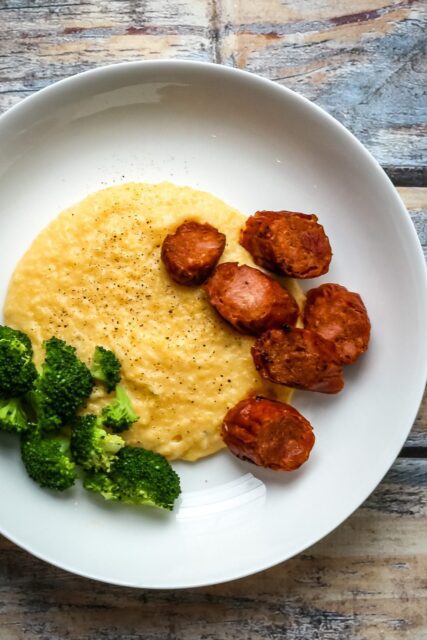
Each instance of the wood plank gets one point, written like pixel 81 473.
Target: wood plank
pixel 363 62
pixel 416 202
pixel 364 581
pixel 418 436
pixel 43 41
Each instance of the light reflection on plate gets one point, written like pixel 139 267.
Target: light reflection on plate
pixel 226 502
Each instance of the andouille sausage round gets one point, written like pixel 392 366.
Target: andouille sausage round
pixel 268 433
pixel 250 300
pixel 287 242
pixel 340 316
pixel 192 252
pixel 298 358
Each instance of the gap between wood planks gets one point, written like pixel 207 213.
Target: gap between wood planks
pixel 407 176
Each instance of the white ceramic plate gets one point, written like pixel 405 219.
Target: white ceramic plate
pixel 257 146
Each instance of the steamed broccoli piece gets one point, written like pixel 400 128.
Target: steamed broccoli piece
pixel 47 462
pixel 100 482
pixel 17 370
pixel 137 477
pixel 119 415
pixel 91 446
pixel 106 368
pixel 12 416
pixel 62 388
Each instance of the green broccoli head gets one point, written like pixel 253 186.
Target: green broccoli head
pixel 91 446
pixel 17 370
pixel 106 368
pixel 12 416
pixel 119 415
pixel 47 462
pixel 62 388
pixel 138 477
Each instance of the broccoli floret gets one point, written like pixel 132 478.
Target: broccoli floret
pixel 17 370
pixel 91 446
pixel 106 368
pixel 119 415
pixel 63 387
pixel 12 416
pixel 138 477
pixel 47 462
pixel 100 482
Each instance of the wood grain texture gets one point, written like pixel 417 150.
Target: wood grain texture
pixel 416 203
pixel 362 62
pixel 366 580
pixel 42 41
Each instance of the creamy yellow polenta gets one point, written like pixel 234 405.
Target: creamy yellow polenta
pixel 94 277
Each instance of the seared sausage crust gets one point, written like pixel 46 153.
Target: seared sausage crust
pixel 268 433
pixel 298 358
pixel 339 315
pixel 287 242
pixel 250 300
pixel 191 253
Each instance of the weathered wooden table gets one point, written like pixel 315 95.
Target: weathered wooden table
pixel 363 62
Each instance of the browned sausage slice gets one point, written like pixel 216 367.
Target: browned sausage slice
pixel 191 253
pixel 250 300
pixel 298 358
pixel 339 315
pixel 268 433
pixel 287 242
